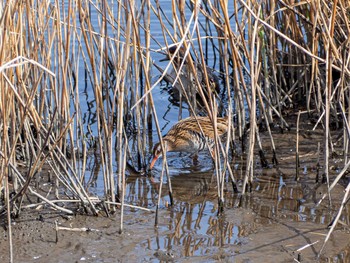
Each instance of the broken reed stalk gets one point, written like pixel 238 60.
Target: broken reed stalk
pixel 254 65
pixel 9 227
pixel 122 196
pixel 297 165
pixel 318 165
pixel 231 131
pixel 220 171
pixel 327 103
pixel 120 85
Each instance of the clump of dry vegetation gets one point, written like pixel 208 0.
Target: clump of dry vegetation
pixel 275 57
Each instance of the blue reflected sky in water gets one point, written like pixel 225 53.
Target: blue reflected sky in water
pixel 167 111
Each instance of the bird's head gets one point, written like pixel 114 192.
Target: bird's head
pixel 157 152
pixel 179 56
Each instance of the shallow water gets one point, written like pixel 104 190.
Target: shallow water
pixel 271 223
pixel 276 219
pixel 191 228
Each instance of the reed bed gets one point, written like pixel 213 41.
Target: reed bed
pixel 274 59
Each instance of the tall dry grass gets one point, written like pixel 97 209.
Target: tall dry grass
pixel 275 57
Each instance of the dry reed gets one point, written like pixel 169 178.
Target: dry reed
pixel 274 57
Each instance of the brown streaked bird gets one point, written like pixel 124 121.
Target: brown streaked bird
pixel 186 136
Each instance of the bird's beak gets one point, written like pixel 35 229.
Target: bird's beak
pixel 155 158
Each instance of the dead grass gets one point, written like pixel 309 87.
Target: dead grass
pixel 276 58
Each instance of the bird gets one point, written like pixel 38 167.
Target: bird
pixel 186 136
pixel 185 70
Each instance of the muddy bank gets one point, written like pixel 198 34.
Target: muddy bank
pixel 240 235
